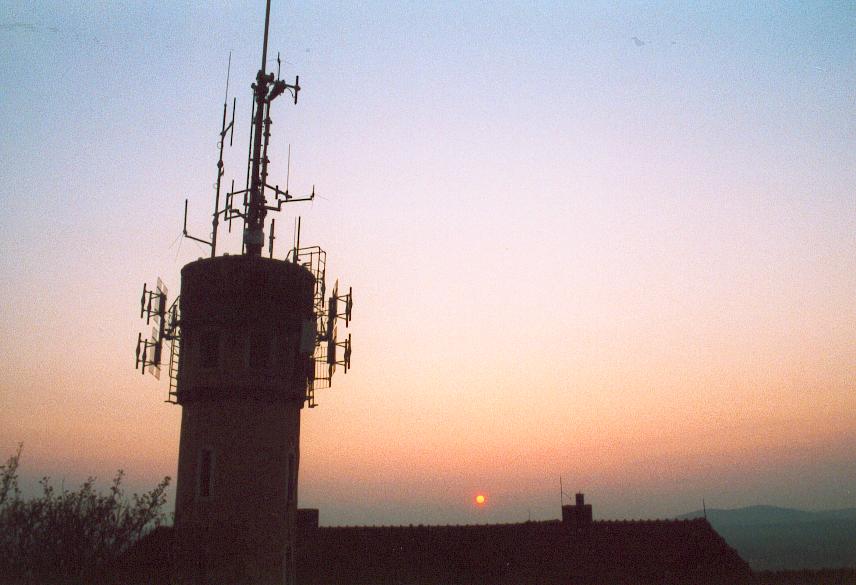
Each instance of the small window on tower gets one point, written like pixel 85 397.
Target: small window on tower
pixel 210 350
pixel 205 477
pixel 289 566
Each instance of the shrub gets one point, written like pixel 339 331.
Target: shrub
pixel 70 536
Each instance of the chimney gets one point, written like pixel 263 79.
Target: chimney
pixel 578 516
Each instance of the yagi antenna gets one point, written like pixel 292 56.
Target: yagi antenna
pixel 228 72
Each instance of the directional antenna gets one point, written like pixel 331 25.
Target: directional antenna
pixel 338 353
pixel 166 328
pixel 340 306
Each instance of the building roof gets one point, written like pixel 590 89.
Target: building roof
pixel 658 551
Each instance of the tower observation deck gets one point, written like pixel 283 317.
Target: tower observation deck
pixel 246 344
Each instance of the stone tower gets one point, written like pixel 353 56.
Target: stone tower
pixel 250 340
pixel 242 381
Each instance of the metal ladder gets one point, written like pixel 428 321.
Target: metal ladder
pixel 174 351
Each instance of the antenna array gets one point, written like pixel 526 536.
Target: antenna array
pixel 254 196
pixel 166 329
pixel 320 336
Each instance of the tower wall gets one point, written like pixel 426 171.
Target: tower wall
pixel 242 382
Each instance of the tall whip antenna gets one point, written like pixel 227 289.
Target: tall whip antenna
pixel 224 130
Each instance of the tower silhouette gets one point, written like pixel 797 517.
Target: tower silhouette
pixel 250 340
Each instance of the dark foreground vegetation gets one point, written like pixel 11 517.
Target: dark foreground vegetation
pixel 71 537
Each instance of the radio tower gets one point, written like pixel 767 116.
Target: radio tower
pixel 250 339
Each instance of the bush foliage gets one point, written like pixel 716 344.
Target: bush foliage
pixel 65 536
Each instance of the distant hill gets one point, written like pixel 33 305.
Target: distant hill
pixel 771 538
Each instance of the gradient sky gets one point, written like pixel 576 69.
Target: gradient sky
pixel 630 265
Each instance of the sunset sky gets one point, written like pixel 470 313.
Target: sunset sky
pixel 615 244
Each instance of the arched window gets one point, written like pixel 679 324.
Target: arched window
pixel 206 475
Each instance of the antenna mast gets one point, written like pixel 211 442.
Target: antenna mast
pixel 254 228
pixel 265 90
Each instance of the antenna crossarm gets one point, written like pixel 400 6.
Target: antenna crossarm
pixel 283 197
pixel 230 213
pixel 194 238
pixel 233 213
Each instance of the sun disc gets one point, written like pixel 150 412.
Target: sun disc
pixel 480 499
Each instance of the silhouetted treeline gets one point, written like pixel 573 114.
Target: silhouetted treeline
pixel 70 537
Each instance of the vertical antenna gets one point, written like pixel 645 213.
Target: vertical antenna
pixel 224 129
pixel 228 203
pixel 704 507
pixel 228 72
pixel 561 494
pixel 271 238
pixel 294 243
pixel 297 243
pixel 232 131
pixel 264 46
pixel 288 169
pixel 221 144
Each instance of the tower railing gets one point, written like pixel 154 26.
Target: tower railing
pixel 314 259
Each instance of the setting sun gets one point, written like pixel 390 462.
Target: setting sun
pixel 480 500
